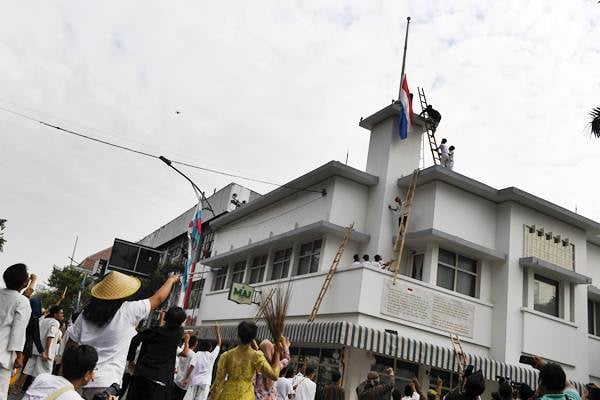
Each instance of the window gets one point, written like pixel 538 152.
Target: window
pixel 326 361
pixel 195 294
pixel 457 273
pixel 417 266
pixel 545 295
pixel 593 318
pixel 208 238
pixel 310 254
pixel 403 371
pixel 237 275
pixel 257 269
pixel 220 279
pixel 281 264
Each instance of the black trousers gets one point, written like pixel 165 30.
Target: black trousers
pixel 142 388
pixel 177 393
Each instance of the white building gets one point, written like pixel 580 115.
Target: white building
pixel 507 271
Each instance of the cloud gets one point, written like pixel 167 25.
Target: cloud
pixel 272 90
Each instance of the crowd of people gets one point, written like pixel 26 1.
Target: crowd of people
pixel 105 355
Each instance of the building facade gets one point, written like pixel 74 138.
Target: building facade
pixel 508 272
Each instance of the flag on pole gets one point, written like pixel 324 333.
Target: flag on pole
pixel 404 120
pixel 194 234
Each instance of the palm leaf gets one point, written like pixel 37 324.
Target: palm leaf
pixel 595 122
pixel 275 312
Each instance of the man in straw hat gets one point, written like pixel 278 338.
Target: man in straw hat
pixel 108 323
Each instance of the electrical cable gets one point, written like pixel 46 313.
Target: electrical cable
pixel 143 153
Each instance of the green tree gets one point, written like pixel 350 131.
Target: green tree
pixel 2 240
pixel 70 279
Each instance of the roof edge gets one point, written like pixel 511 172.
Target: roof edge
pixel 311 178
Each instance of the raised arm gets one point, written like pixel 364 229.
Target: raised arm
pixel 218 334
pixel 261 365
pixel 186 346
pixel 135 343
pixel 163 293
pixel 31 287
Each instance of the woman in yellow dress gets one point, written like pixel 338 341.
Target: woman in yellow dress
pixel 239 365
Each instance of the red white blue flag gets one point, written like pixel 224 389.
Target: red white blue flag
pixel 404 121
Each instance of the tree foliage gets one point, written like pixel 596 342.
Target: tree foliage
pixel 2 240
pixel 71 279
pixel 595 122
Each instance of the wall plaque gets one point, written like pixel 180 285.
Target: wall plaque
pixel 423 306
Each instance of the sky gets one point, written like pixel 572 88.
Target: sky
pixel 271 90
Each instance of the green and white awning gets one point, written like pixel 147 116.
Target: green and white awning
pixel 342 333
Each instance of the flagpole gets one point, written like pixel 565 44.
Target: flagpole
pixel 404 57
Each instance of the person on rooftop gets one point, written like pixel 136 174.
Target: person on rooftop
pixel 442 151
pixel 450 162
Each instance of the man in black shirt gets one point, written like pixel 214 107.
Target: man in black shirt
pixel 155 367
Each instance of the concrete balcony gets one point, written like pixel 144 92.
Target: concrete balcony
pixel 365 296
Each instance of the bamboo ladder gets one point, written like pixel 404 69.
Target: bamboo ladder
pixel 403 228
pixel 332 269
pixel 429 127
pixel 263 304
pixel 458 352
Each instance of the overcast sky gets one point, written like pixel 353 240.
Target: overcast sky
pixel 271 90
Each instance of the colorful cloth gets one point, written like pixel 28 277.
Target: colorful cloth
pixel 194 235
pixel 264 389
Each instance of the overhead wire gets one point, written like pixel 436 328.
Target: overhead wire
pixel 146 154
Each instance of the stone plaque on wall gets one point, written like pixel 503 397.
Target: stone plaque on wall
pixel 426 307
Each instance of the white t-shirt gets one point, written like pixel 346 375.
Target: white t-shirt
pixel 49 327
pixel 415 396
pixel 111 341
pixel 46 384
pixel 443 149
pixel 182 365
pixel 284 388
pixel 203 364
pixel 305 388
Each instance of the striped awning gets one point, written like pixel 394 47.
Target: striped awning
pixel 344 333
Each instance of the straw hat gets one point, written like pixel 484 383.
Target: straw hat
pixel 116 286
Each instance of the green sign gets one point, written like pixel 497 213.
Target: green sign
pixel 241 293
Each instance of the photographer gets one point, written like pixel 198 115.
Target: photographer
pixel 78 367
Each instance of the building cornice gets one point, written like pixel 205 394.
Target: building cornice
pixel 309 180
pixel 554 271
pixel 454 242
pixel 437 173
pixel 320 227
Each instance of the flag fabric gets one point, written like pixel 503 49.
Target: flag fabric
pixel 194 234
pixel 404 121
